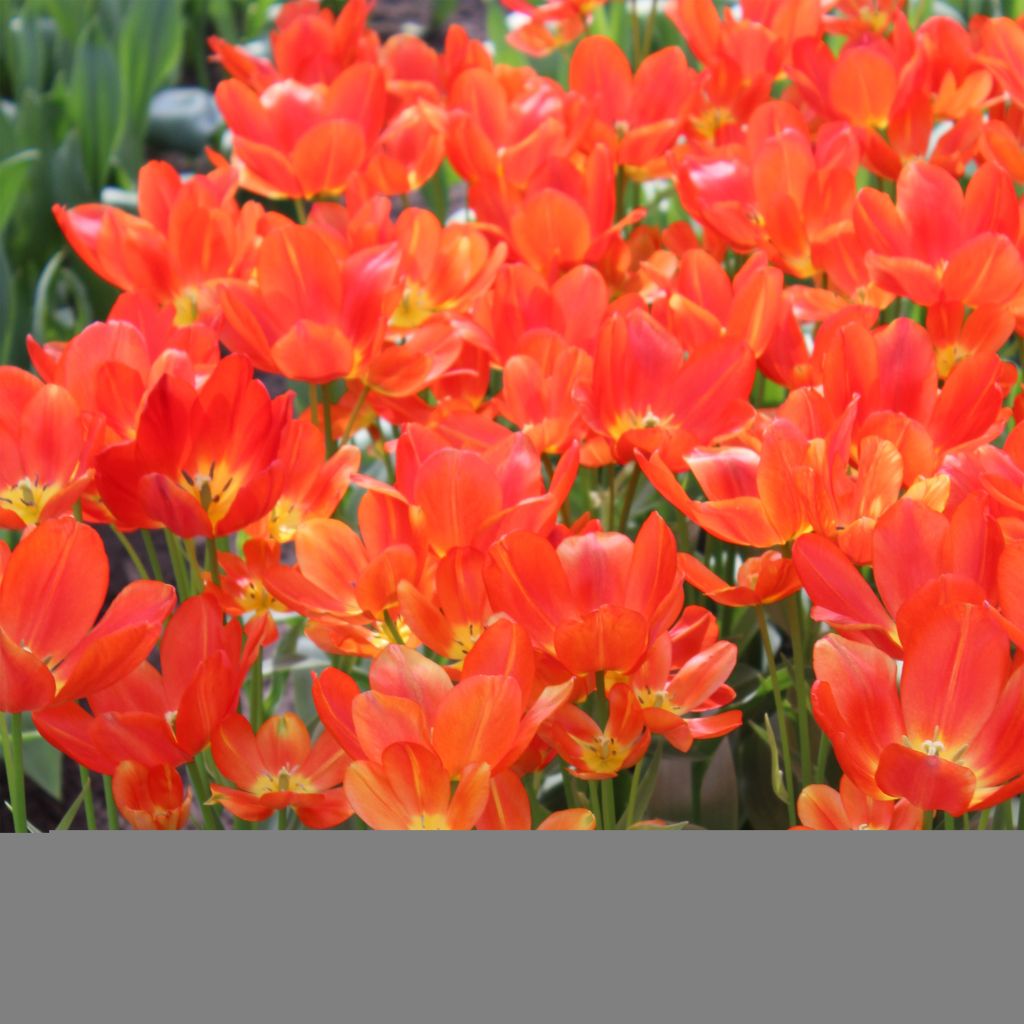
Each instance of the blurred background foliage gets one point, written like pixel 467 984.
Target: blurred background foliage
pixel 90 90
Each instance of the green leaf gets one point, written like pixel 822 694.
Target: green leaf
pixel 8 307
pixel 768 735
pixel 149 48
pixel 71 18
pixel 94 101
pixel 27 42
pixel 13 174
pixel 69 815
pixel 43 764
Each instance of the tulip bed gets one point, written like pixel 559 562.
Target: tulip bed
pixel 501 449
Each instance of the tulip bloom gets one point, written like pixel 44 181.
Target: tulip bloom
pixel 597 601
pixel 151 798
pixel 308 313
pixel 410 790
pixel 918 556
pixel 47 447
pixel 592 752
pixel 823 809
pixel 674 700
pixel 110 367
pixel 550 24
pixel 303 140
pixel 204 463
pixel 969 255
pixel 188 237
pixel 639 117
pixel 164 717
pixel 278 768
pixel 647 393
pixel 948 737
pixel 762 579
pixel 53 587
pixel 488 718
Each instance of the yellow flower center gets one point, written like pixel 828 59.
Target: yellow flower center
pixel 27 499
pixel 286 781
pixel 215 490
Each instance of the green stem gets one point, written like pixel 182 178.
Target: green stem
pixel 608 803
pixel 154 560
pixel 256 694
pixel 634 789
pixel 201 785
pixel 627 503
pixel 132 553
pixel 779 712
pixel 803 696
pixel 354 415
pixel 113 824
pixel 392 629
pixel 14 761
pixel 824 746
pixel 212 561
pixel 90 806
pixel 282 819
pixel 314 407
pixel 928 821
pixel 178 565
pixel 325 406
pixel 595 803
pixel 611 497
pixel 983 820
pixel 193 561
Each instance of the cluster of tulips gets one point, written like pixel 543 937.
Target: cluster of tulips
pixel 710 374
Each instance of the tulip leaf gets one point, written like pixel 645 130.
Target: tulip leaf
pixel 69 815
pixel 13 174
pixel 43 764
pixel 94 101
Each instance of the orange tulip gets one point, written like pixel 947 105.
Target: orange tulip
pixel 109 367
pixel 593 752
pixel 300 140
pixel 304 315
pixel 164 717
pixel 151 797
pixel 47 449
pixel 647 394
pixel 189 236
pixel 549 24
pixel 948 737
pixel 278 768
pixel 596 602
pixel 638 116
pixel 968 256
pixel 410 790
pixel 308 43
pixel 204 462
pixel 54 584
pixel 821 808
pixel 761 579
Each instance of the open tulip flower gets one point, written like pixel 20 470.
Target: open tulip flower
pixel 192 467
pixel 948 736
pixel 277 769
pixel 823 809
pixel 54 651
